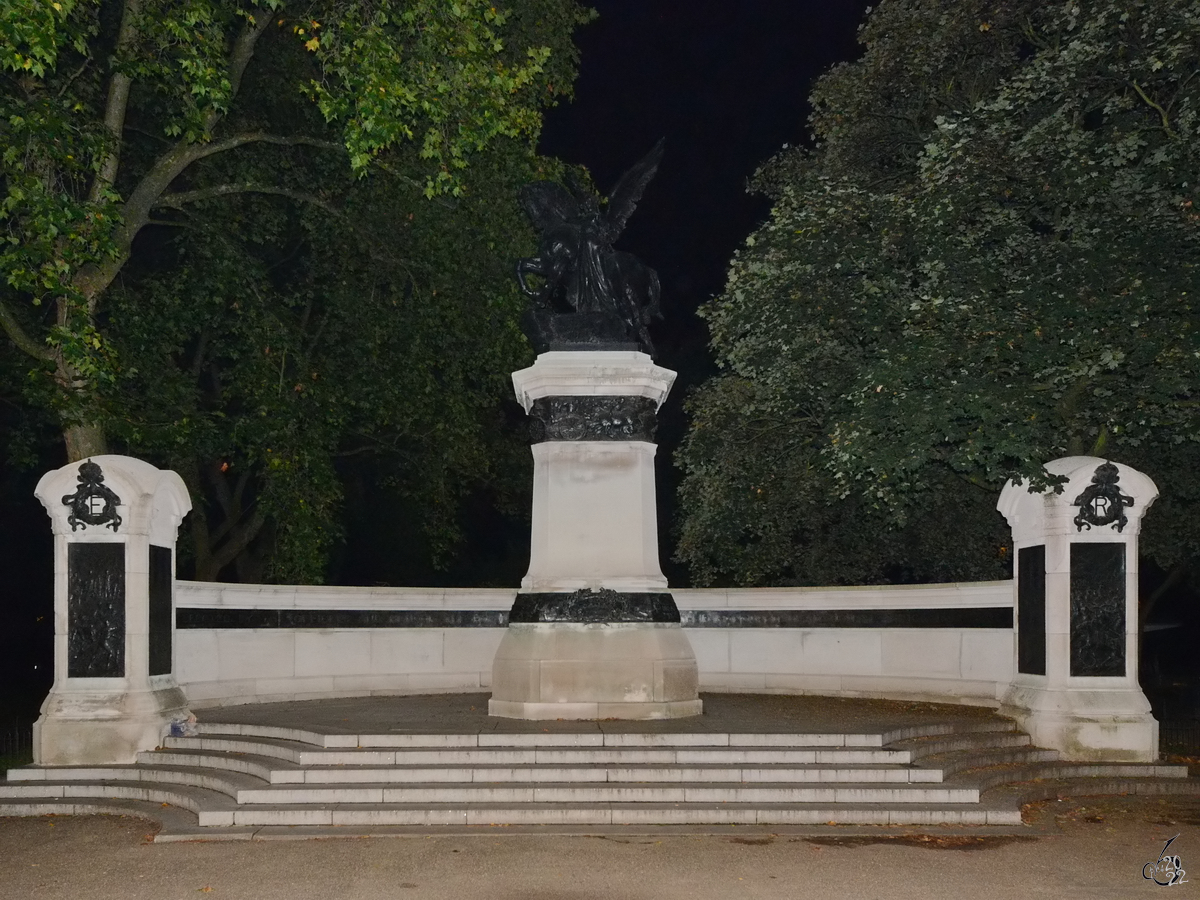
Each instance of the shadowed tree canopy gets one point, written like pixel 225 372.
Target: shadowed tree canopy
pixel 988 260
pixel 249 238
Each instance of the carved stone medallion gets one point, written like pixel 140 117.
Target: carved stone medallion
pixel 1102 502
pixel 94 502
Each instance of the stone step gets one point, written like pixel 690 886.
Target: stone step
pixel 934 729
pixel 565 739
pixel 994 776
pixel 30 781
pixel 963 760
pixel 1001 807
pixel 217 809
pixel 275 772
pixel 382 815
pixel 587 794
pixel 930 745
pixel 210 807
pixel 305 755
pixel 266 768
pixel 246 790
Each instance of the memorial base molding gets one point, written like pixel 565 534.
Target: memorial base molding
pixel 104 727
pixel 1093 725
pixel 595 671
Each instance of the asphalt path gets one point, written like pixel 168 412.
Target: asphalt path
pixel 1097 848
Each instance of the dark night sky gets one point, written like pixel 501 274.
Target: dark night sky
pixel 727 84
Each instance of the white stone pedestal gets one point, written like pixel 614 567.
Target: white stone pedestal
pixel 619 670
pixel 590 635
pixel 114 693
pixel 1076 686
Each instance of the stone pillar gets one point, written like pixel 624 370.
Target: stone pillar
pixel 115 521
pixel 1075 687
pixel 594 632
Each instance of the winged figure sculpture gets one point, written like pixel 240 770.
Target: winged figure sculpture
pixel 581 274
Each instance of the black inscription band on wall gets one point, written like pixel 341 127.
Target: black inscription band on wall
pixel 973 617
pixel 162 576
pixel 1098 609
pixel 195 617
pixel 1031 610
pixel 620 418
pixel 96 610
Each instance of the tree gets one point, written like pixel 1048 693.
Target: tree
pixel 247 240
pixel 989 260
pixel 258 363
pixel 113 111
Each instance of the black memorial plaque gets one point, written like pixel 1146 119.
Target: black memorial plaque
pixel 1031 610
pixel 161 576
pixel 96 610
pixel 594 606
pixel 1098 609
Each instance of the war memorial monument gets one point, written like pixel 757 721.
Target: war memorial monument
pixel 227 710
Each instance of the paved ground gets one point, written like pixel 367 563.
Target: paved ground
pixel 1096 848
pixel 467 714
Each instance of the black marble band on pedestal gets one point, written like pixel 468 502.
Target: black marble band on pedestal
pixel 621 418
pixel 598 606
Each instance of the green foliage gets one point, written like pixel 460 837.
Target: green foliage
pixel 449 68
pixel 246 238
pixel 84 81
pixel 989 261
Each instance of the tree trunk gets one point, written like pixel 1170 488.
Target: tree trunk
pixel 84 441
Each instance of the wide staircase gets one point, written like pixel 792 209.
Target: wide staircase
pixel 246 780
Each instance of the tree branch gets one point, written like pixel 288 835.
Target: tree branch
pixel 19 336
pixel 117 103
pixel 182 198
pixel 239 541
pixel 1162 113
pixel 260 137
pixel 239 58
pixel 382 165
pixel 71 79
pixel 93 280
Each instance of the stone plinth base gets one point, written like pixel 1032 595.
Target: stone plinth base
pixel 1086 725
pixel 594 671
pixel 100 727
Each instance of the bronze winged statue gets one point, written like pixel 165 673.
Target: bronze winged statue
pixel 591 294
